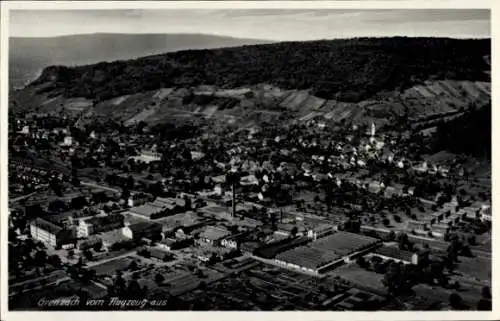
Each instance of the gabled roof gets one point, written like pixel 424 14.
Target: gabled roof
pixel 167 202
pixel 146 210
pixel 47 226
pixel 144 226
pixel 393 252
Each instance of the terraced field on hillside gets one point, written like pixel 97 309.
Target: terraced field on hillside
pixel 432 99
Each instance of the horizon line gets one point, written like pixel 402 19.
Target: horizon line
pixel 242 38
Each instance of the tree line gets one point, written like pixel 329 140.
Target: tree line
pixel 348 70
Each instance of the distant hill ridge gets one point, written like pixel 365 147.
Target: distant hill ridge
pixel 28 56
pixel 346 69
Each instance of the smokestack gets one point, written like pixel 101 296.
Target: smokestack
pixel 233 211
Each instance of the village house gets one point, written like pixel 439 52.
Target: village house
pixel 485 212
pixel 234 241
pixel 68 141
pixel 417 225
pixel 441 214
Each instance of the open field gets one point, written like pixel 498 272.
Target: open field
pixel 476 267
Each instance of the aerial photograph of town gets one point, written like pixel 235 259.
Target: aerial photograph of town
pixel 249 160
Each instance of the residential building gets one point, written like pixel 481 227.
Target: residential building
pixel 68 141
pixel 417 225
pixel 234 241
pixel 485 213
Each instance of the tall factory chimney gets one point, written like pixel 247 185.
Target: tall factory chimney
pixel 233 210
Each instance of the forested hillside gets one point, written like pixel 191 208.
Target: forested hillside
pixel 469 134
pixel 28 56
pixel 346 70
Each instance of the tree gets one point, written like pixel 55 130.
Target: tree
pixel 486 292
pixel 57 206
pixel 361 262
pixel 97 247
pixel 74 177
pixel 484 305
pixel 456 301
pixel 56 187
pixel 466 251
pixel 78 202
pixel 159 278
pixel 88 255
pixel 133 266
pixel 130 182
pixel 403 241
pixel 55 261
pixel 202 285
pixel 395 280
pixel 125 193
pixel 134 289
pixel 40 258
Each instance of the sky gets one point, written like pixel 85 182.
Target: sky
pixel 267 24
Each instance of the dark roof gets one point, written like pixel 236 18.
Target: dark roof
pixel 308 257
pixel 394 252
pixel 47 226
pixel 105 220
pixel 144 226
pixel 344 243
pixel 251 245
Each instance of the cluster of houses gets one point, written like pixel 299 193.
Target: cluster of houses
pixel 449 215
